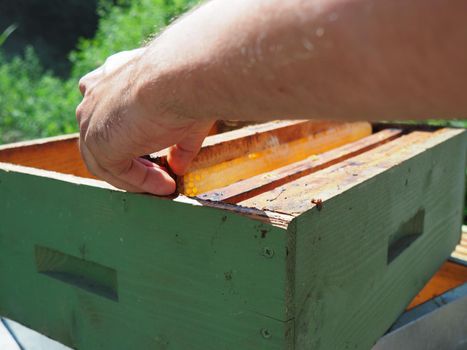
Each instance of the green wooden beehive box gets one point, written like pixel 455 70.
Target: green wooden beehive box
pixel 321 254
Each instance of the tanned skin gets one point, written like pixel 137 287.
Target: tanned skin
pixel 264 60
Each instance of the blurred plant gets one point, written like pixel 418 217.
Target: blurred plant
pixel 125 27
pixel 7 32
pixel 35 103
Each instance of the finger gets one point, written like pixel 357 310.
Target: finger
pixel 146 176
pixel 99 172
pixel 133 175
pixel 181 154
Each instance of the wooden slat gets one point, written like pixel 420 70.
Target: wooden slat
pixel 451 275
pixel 226 144
pixel 229 162
pixel 295 197
pixel 60 154
pixel 250 187
pixel 273 218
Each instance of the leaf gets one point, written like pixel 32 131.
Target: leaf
pixel 7 32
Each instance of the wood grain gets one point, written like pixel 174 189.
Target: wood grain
pixel 77 272
pixel 60 154
pixel 231 144
pixel 346 293
pixel 255 185
pixel 296 197
pixel 219 166
pixel 276 219
pixel 189 277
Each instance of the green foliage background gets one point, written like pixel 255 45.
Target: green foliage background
pixel 52 27
pixel 34 102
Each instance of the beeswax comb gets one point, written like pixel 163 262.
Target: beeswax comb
pixel 233 156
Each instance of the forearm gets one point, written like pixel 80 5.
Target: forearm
pixel 269 59
pixel 346 59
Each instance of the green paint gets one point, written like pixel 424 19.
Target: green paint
pixel 188 277
pixel 81 273
pixel 347 293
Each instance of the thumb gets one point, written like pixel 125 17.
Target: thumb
pixel 181 154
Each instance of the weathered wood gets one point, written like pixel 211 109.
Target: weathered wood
pixel 61 153
pixel 221 126
pixel 216 146
pixel 347 293
pixel 276 219
pixel 255 185
pixel 208 281
pixel 449 276
pixel 229 162
pixel 295 198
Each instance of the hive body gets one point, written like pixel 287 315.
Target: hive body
pixel 98 268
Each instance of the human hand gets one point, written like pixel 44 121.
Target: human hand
pixel 126 113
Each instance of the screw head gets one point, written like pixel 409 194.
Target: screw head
pixel 268 252
pixel 266 333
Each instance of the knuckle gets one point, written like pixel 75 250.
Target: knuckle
pixel 82 85
pixel 109 60
pixel 116 56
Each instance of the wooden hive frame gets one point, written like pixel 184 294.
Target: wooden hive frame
pixel 322 253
